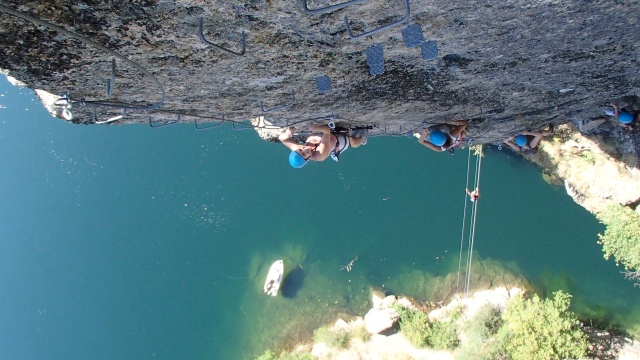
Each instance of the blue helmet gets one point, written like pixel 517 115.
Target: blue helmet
pixel 625 118
pixel 521 140
pixel 296 160
pixel 438 138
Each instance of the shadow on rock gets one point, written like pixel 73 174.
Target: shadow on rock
pixel 293 282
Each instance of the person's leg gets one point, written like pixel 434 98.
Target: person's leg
pixel 360 140
pixel 355 142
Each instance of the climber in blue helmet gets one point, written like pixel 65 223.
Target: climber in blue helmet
pixel 296 160
pixel 320 145
pixel 522 140
pixel 438 138
pixel 527 141
pixel 443 137
pixel 625 118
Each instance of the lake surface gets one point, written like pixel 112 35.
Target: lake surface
pixel 127 242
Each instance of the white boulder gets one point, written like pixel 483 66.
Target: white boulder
pixel 378 320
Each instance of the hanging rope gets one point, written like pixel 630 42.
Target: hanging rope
pixel 472 226
pixel 472 223
pixel 464 221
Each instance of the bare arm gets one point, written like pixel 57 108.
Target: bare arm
pixel 285 139
pixel 324 147
pixel 616 111
pixel 537 136
pixel 509 141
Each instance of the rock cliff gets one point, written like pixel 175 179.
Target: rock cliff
pixel 505 66
pixel 594 173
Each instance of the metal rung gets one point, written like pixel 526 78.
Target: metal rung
pixel 367 33
pixel 204 40
pixel 246 126
pixel 327 9
pixel 157 124
pixel 208 126
pixel 281 107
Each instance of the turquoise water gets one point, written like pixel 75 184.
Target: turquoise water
pixel 126 242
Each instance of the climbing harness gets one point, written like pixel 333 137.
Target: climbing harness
pixel 472 221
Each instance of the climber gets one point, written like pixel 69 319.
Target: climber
pixel 473 195
pixel 626 118
pixel 444 137
pixel 320 145
pixel 527 141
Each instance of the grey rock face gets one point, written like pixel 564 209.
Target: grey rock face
pixel 505 66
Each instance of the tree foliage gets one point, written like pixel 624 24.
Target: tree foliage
pixel 542 329
pixel 422 332
pixel 482 342
pixel 270 355
pixel 338 338
pixel 621 238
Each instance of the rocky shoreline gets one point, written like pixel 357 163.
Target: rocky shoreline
pixel 385 342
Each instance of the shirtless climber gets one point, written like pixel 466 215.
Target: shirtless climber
pixel 319 146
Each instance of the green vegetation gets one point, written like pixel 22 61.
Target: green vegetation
pixel 361 333
pixel 338 339
pixel 528 329
pixel 482 342
pixel 621 238
pixel 588 157
pixel 270 355
pixel 542 329
pixel 422 332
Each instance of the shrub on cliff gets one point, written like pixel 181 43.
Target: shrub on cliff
pixel 621 238
pixel 270 355
pixel 542 329
pixel 338 338
pixel 481 330
pixel 422 332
